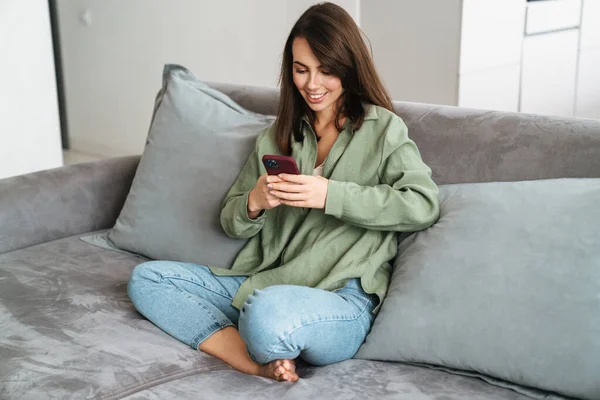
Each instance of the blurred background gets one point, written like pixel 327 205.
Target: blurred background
pixel 79 77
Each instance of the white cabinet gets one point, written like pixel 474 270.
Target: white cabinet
pixel 588 84
pixel 545 16
pixel 491 34
pixel 590 24
pixel 551 57
pixel 491 89
pixel 588 81
pixel 490 54
pixel 549 73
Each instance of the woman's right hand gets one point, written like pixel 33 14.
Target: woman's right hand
pixel 260 198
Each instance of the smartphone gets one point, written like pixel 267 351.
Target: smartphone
pixel 276 165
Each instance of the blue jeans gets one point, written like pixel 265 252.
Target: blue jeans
pixel 190 303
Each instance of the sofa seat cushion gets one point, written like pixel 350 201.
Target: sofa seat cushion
pixel 352 379
pixel 68 330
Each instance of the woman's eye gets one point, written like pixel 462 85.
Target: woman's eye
pixel 300 71
pixel 326 72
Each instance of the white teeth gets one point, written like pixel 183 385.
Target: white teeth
pixel 316 96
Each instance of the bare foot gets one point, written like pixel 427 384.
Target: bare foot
pixel 280 370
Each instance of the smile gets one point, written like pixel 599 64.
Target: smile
pixel 315 98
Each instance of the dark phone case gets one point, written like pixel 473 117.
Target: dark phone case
pixel 285 165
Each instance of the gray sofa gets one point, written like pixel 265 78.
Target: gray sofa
pixel 68 329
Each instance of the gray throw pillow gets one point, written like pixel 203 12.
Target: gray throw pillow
pixel 198 141
pixel 506 284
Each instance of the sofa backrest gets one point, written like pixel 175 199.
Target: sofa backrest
pixel 466 145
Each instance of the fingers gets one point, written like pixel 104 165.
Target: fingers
pixel 263 198
pixel 273 179
pixel 295 178
pixel 273 203
pixel 287 187
pixel 287 195
pixel 290 190
pixel 294 203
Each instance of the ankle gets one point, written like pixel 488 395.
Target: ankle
pixel 255 369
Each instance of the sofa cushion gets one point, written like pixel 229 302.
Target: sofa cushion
pixel 348 380
pixel 69 331
pixel 463 145
pixel 506 283
pixel 198 142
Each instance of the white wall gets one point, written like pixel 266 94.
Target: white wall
pixel 113 63
pixel 29 122
pixel 416 47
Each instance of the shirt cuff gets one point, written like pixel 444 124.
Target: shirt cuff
pixel 335 197
pixel 243 212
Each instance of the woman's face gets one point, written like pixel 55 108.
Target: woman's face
pixel 320 89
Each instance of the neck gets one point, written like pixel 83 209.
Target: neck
pixel 324 118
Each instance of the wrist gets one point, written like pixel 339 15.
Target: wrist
pixel 252 208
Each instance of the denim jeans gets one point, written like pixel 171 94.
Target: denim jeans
pixel 190 303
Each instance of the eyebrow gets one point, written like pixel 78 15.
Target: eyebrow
pixel 299 63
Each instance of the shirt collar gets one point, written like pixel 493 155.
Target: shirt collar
pixel 370 113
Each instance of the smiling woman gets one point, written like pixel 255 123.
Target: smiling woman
pixel 321 90
pixel 316 267
pixel 327 73
pixel 313 81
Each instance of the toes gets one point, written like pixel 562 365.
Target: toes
pixel 283 370
pixel 289 365
pixel 292 377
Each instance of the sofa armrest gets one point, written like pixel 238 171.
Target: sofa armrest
pixel 61 202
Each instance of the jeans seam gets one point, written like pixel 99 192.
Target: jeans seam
pixel 220 326
pixel 207 332
pixel 315 322
pixel 199 284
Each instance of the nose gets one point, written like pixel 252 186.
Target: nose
pixel 314 82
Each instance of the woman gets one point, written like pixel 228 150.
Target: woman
pixel 316 267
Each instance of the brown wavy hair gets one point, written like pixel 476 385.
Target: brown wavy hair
pixel 338 44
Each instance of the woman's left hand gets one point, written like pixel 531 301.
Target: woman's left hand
pixel 301 190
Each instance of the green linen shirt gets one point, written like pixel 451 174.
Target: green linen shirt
pixel 378 185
